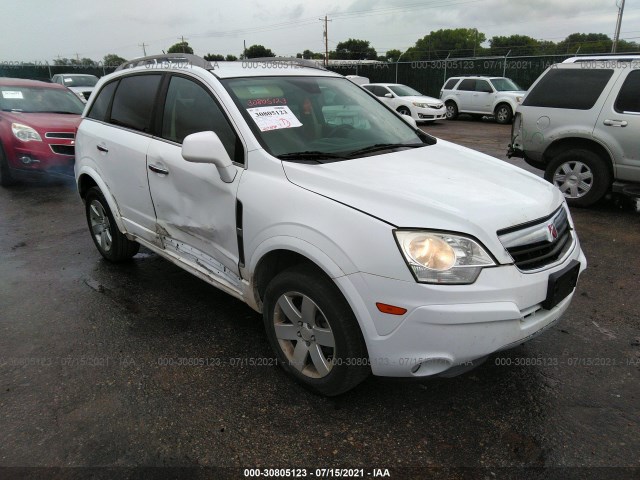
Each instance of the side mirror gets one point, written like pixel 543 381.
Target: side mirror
pixel 409 119
pixel 388 95
pixel 206 147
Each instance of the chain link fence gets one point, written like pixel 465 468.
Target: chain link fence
pixel 44 71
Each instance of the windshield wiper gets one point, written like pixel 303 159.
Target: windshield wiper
pixel 384 146
pixel 311 155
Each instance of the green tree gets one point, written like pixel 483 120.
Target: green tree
pixel 231 58
pixel 517 44
pixel 392 55
pixel 586 43
pixel 457 42
pixel 212 57
pixel 111 59
pixel 354 49
pixel 258 51
pixel 180 47
pixel 62 61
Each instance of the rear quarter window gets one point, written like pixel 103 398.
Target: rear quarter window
pixel 450 84
pixel 101 104
pixel 628 100
pixel 576 89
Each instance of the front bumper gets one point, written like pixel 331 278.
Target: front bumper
pixel 446 327
pixel 40 157
pixel 430 114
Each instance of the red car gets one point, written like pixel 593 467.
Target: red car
pixel 38 123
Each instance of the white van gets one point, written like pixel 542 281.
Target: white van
pixel 367 245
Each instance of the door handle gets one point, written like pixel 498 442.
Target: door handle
pixel 615 123
pixel 102 149
pixel 159 170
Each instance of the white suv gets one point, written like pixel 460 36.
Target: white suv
pixel 480 96
pixel 368 245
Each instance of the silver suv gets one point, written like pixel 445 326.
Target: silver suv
pixel 580 123
pixel 480 96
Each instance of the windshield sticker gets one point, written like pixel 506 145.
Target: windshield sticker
pixel 12 94
pixel 273 118
pixel 260 102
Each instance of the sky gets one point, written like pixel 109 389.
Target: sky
pixel 40 31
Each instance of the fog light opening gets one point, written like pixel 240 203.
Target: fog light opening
pixel 431 366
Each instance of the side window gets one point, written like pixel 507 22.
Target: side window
pixel 189 108
pixel 381 91
pixel 450 84
pixel 628 100
pixel 467 85
pixel 483 86
pixel 369 88
pixel 101 104
pixel 571 88
pixel 134 100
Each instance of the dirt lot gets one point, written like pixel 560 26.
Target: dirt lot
pixel 84 380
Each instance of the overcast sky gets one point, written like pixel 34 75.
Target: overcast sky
pixel 36 30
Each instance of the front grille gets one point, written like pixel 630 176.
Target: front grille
pixel 63 149
pixel 540 243
pixel 70 135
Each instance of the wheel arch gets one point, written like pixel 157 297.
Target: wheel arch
pixel 566 144
pixel 87 178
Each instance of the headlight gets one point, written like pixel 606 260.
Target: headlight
pixel 25 133
pixel 440 257
pixel 419 105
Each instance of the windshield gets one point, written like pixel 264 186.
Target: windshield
pixel 319 118
pixel 39 100
pixel 404 91
pixel 79 81
pixel 505 85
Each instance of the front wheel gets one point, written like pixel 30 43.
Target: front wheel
pixel 581 175
pixel 112 245
pixel 404 111
pixel 314 332
pixel 6 179
pixel 503 113
pixel 452 111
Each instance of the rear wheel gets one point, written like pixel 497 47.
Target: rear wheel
pixel 452 111
pixel 112 245
pixel 6 179
pixel 314 332
pixel 581 175
pixel 503 113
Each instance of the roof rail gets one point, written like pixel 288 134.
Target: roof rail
pixel 193 60
pixel 291 60
pixel 604 58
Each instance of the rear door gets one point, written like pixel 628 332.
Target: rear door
pixel 618 125
pixel 116 133
pixel 195 209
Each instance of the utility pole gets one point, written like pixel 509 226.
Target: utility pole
pixel 183 41
pixel 78 57
pixel 616 37
pixel 244 52
pixel 325 34
pixel 144 50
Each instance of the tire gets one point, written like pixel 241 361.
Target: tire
pixel 6 179
pixel 314 332
pixel 404 111
pixel 581 175
pixel 111 244
pixel 452 110
pixel 503 114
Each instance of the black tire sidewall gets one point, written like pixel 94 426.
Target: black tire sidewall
pixel 455 113
pixel 599 169
pixel 349 344
pixel 121 247
pixel 404 111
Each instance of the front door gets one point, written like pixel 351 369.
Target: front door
pixel 195 209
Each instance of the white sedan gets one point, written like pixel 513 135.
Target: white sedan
pixel 407 101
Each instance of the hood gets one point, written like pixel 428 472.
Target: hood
pixel 516 93
pixel 81 89
pixel 421 99
pixel 45 122
pixel 442 186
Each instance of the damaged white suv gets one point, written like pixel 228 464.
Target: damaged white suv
pixel 368 245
